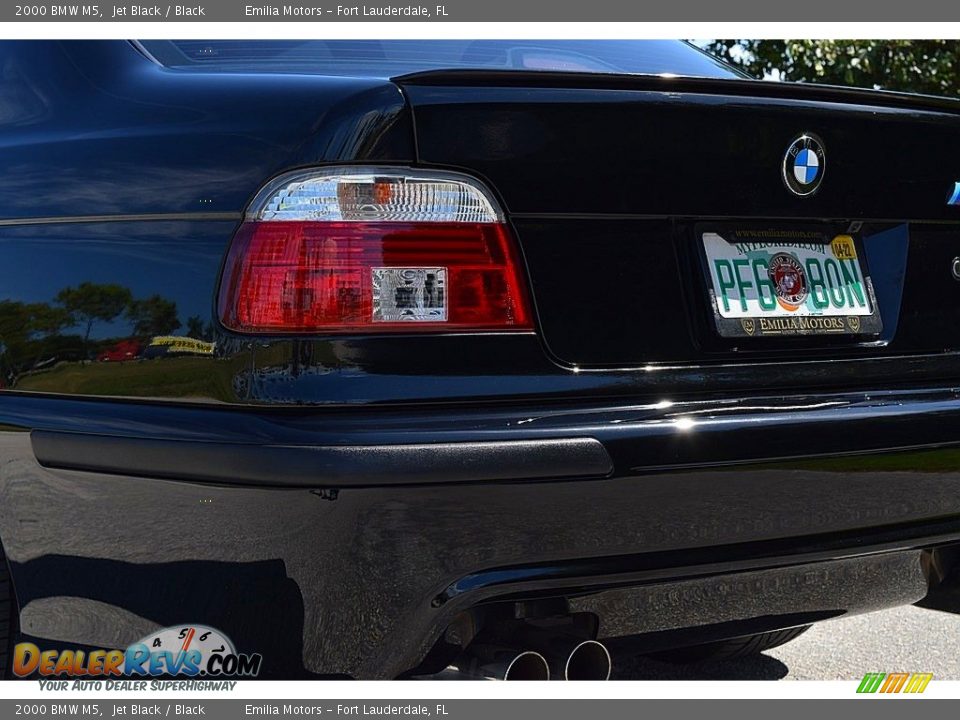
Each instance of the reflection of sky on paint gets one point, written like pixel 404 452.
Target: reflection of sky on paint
pixel 498 577
pixel 887 258
pixel 179 261
pixel 77 190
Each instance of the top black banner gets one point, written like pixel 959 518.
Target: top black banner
pixel 485 10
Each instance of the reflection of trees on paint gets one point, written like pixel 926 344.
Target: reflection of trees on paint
pixel 153 316
pixel 36 335
pixel 47 320
pixel 196 328
pixel 28 330
pixel 90 302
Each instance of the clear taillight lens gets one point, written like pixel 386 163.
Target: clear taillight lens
pixel 373 250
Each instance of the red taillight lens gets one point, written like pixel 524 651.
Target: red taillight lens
pixel 340 277
pixel 360 249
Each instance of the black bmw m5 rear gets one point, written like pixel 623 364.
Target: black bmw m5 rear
pixel 382 358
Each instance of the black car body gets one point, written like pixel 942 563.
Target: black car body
pixel 367 503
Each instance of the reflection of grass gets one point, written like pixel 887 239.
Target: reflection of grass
pixel 184 377
pixel 946 460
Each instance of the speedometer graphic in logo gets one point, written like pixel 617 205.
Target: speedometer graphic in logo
pixel 184 638
pixel 192 650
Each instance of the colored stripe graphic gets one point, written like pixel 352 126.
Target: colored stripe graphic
pixel 894 682
pixel 918 682
pixel 871 682
pixel 888 683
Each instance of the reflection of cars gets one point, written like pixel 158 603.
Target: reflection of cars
pixel 170 345
pixel 524 345
pixel 123 350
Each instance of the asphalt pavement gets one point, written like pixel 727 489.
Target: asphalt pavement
pixel 908 639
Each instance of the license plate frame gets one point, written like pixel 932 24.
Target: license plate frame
pixel 802 242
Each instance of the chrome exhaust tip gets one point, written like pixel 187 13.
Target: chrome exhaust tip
pixel 528 665
pixel 494 662
pixel 590 660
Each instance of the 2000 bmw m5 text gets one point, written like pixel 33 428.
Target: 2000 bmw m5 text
pixel 378 359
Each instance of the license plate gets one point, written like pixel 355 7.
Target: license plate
pixel 783 282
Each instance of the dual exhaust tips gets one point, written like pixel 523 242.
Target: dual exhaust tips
pixel 558 657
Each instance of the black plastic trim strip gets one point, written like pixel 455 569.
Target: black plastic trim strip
pixel 323 466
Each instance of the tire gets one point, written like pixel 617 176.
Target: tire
pixel 8 619
pixel 733 648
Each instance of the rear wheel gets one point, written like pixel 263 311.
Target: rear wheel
pixel 733 648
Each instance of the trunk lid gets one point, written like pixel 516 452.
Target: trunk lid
pixel 608 181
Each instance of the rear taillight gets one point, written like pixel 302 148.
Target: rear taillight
pixel 373 250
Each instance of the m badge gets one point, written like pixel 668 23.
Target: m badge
pixel 954 198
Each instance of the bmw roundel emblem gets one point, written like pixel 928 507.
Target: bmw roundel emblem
pixel 804 164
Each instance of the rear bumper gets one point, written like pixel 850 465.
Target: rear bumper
pixel 118 518
pixel 353 446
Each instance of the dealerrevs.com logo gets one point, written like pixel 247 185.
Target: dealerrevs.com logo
pixel 183 650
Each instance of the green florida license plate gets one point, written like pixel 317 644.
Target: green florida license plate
pixel 782 282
